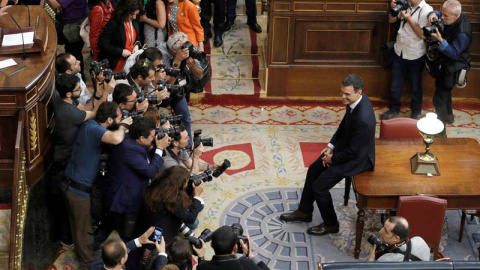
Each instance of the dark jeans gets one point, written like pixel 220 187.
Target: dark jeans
pixel 181 108
pixel 317 187
pixel 57 209
pixel 218 16
pixel 250 5
pixel 441 99
pixel 413 70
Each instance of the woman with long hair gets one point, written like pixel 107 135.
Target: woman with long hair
pixel 155 19
pixel 98 18
pixel 183 17
pixel 167 204
pixel 120 37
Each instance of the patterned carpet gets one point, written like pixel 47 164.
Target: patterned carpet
pixel 270 147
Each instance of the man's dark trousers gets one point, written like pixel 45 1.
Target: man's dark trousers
pixel 317 187
pixel 218 16
pixel 251 10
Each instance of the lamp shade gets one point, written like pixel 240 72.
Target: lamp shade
pixel 430 124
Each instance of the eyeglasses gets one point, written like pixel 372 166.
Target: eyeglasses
pixel 178 40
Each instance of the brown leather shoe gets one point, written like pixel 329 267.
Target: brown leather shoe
pixel 296 216
pixel 322 229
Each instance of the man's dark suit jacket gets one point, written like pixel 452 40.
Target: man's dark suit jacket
pixel 128 175
pixel 354 141
pixel 159 261
pixel 112 41
pixel 231 262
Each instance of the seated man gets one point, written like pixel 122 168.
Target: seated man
pixel 224 243
pixel 115 252
pixel 395 235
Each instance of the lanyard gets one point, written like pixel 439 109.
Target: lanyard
pixel 411 14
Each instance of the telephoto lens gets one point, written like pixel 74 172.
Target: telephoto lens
pixel 225 165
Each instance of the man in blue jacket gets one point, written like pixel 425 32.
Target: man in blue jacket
pixel 131 165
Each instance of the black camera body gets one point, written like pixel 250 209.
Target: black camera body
pixel 152 99
pixel 192 52
pixel 197 179
pixel 238 232
pixel 206 236
pixel 173 119
pixel 126 114
pixel 400 6
pixel 109 74
pixel 375 240
pixel 175 90
pixel 436 24
pixel 197 139
pixel 97 67
pixel 171 132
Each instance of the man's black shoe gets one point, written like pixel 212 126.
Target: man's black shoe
pixel 255 27
pixel 218 40
pixel 228 25
pixel 296 216
pixel 389 115
pixel 322 229
pixel 416 115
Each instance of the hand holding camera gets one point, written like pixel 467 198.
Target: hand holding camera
pixel 128 121
pixel 160 246
pixel 200 251
pixel 198 190
pixel 145 237
pixel 142 105
pixel 162 143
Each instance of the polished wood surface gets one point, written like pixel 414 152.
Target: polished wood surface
pixel 30 90
pixel 379 190
pixel 313 45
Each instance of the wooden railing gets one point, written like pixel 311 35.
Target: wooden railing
pixel 19 198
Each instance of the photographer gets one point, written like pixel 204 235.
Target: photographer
pixel 224 243
pixel 131 166
pixel 177 154
pixel 126 98
pixel 395 246
pixel 115 252
pixel 453 55
pixel 409 54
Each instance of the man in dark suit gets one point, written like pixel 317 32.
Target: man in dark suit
pixel 131 165
pixel 350 151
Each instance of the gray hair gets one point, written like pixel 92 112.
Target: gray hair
pixel 454 5
pixel 173 40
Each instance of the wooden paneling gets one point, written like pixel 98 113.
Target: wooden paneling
pixel 314 44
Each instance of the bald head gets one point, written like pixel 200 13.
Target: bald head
pixel 400 227
pixel 114 253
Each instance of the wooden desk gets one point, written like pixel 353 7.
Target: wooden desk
pixel 379 190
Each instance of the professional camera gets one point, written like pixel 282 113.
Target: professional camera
pixel 109 74
pixel 238 232
pixel 400 6
pixel 97 67
pixel 152 99
pixel 206 236
pixel 173 119
pixel 126 114
pixel 436 24
pixel 171 132
pixel 193 53
pixel 374 240
pixel 225 165
pixel 197 139
pixel 197 179
pixel 175 90
pixel 173 72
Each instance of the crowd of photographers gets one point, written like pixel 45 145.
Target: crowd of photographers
pixel 120 164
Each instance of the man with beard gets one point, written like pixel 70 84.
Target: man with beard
pixel 69 116
pixel 82 170
pixel 350 151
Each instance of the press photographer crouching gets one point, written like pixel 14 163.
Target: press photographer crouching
pixel 126 98
pixel 448 61
pixel 394 244
pixel 227 242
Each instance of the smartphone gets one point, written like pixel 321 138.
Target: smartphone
pixel 156 236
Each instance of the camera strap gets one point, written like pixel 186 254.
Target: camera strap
pixel 411 14
pixel 407 256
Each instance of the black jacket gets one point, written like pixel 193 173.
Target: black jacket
pixel 231 262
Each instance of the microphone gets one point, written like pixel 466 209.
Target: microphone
pixel 24 56
pixel 28 12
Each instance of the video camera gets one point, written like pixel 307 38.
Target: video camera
pixel 436 24
pixel 197 139
pixel 126 114
pixel 238 232
pixel 400 6
pixel 171 132
pixel 173 119
pixel 174 89
pixel 193 53
pixel 375 240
